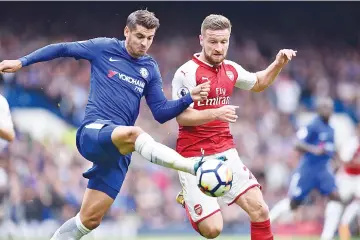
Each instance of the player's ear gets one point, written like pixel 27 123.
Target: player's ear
pixel 201 38
pixel 126 31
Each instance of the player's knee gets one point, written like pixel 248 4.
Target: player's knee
pixel 90 221
pixel 126 134
pixel 260 212
pixel 211 231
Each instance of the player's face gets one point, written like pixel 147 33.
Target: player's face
pixel 138 40
pixel 326 109
pixel 215 44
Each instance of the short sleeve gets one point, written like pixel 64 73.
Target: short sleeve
pixel 183 82
pixel 245 80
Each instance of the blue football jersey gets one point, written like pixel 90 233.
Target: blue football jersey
pixel 118 81
pixel 321 134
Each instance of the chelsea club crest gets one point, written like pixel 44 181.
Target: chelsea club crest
pixel 144 72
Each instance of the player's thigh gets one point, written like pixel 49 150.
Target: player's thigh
pixel 243 179
pixel 203 210
pixel 326 183
pixel 94 206
pixel 124 138
pixel 103 140
pixel 346 186
pixel 301 185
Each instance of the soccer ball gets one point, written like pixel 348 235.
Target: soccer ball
pixel 214 178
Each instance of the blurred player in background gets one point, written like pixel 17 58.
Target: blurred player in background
pixel 205 126
pixel 348 182
pixel 121 74
pixel 317 144
pixel 7 132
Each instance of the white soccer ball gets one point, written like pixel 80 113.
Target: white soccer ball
pixel 214 178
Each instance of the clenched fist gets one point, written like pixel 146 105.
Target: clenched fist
pixel 200 92
pixel 226 113
pixel 10 66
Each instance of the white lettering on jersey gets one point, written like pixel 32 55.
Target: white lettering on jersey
pixel 215 101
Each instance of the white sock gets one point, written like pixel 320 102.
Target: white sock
pixel 162 155
pixel 71 229
pixel 333 213
pixel 350 213
pixel 280 208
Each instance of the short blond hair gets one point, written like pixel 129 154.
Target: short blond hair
pixel 215 22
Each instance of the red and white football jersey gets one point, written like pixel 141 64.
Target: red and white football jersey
pixel 213 137
pixel 350 154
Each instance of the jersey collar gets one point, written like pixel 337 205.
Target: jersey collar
pixel 206 65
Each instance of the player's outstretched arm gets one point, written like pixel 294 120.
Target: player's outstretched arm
pixel 79 50
pixel 266 77
pixel 193 117
pixel 163 109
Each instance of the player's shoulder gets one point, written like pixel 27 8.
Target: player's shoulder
pixel 188 67
pixel 230 62
pixel 105 42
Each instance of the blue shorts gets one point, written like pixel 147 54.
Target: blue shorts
pixel 304 181
pixel 109 168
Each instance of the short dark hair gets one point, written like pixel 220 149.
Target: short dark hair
pixel 143 18
pixel 215 22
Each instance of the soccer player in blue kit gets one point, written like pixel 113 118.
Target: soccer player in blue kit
pixel 316 142
pixel 121 74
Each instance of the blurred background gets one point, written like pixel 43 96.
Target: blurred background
pixel 40 172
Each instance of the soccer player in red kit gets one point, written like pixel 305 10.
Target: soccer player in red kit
pixel 204 127
pixel 348 183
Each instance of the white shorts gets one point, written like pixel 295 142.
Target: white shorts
pixel 348 185
pixel 201 206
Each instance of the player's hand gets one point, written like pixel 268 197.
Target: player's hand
pixel 226 113
pixel 284 56
pixel 10 66
pixel 200 92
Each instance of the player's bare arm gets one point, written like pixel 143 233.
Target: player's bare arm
pixel 193 117
pixel 266 77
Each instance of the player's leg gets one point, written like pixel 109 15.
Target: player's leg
pixel 105 180
pixel 334 208
pixel 129 139
pixel 300 187
pixel 94 206
pixel 202 211
pixel 245 192
pixel 352 210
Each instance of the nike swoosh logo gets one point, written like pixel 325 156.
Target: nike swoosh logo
pixel 113 60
